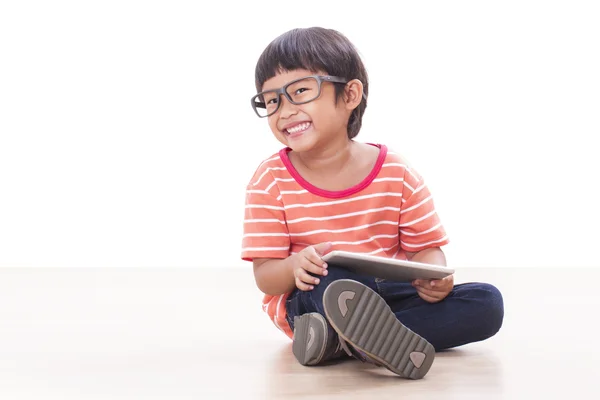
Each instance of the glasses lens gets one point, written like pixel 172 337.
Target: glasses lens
pixel 304 90
pixel 265 103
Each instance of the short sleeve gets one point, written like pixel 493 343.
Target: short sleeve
pixel 420 225
pixel 265 230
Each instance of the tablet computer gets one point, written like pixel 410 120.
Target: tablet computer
pixel 386 268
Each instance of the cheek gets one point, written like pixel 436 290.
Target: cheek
pixel 273 125
pixel 320 114
pixel 328 118
pixel 329 111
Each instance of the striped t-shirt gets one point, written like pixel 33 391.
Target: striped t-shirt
pixel 387 214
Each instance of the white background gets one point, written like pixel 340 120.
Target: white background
pixel 127 137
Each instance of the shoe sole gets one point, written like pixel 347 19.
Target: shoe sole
pixel 362 318
pixel 310 338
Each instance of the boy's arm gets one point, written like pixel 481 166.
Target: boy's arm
pixel 422 234
pixel 266 240
pixel 421 231
pixel 432 255
pixel 300 270
pixel 433 290
pixel 274 276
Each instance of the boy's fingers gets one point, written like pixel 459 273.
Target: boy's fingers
pixel 443 285
pixel 424 283
pixel 429 292
pixel 322 248
pixel 303 286
pixel 427 298
pixel 307 278
pixel 310 267
pixel 438 283
pixel 313 257
pixel 434 284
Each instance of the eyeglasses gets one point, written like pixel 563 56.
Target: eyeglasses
pixel 299 91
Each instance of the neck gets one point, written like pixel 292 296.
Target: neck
pixel 333 158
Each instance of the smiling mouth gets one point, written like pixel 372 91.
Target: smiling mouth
pixel 298 129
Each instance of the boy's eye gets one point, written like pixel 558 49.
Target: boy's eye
pixel 272 101
pixel 301 90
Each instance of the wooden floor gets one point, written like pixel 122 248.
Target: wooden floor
pixel 200 334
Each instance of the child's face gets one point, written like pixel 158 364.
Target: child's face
pixel 312 125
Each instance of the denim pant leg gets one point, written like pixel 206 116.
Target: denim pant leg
pixel 472 312
pixel 300 302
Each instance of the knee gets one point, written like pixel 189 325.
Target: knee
pixel 312 299
pixel 333 273
pixel 493 307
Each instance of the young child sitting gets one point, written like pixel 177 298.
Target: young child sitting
pixel 326 191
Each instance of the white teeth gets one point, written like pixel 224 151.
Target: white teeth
pixel 299 128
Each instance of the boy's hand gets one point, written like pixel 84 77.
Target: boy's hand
pixel 434 290
pixel 309 260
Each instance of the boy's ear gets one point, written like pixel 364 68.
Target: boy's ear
pixel 353 94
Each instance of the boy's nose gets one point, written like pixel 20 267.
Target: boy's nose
pixel 286 108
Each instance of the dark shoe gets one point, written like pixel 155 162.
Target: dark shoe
pixel 364 320
pixel 313 342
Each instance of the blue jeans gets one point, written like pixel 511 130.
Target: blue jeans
pixel 470 313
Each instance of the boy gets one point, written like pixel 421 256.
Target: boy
pixel 325 191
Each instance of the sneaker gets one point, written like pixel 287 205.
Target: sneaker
pixel 313 341
pixel 363 319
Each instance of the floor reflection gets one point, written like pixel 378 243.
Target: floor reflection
pixel 454 369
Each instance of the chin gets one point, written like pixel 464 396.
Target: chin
pixel 301 145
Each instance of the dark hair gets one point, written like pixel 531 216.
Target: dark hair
pixel 316 49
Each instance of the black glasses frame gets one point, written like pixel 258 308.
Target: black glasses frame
pixel 283 91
